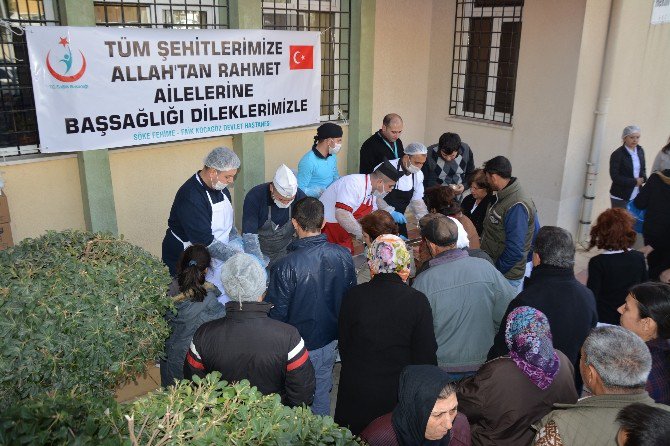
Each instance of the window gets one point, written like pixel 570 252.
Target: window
pixel 333 19
pixel 18 122
pixel 178 14
pixel 486 56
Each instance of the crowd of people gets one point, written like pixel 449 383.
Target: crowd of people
pixel 475 333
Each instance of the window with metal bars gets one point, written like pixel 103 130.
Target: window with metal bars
pixel 178 14
pixel 486 56
pixel 333 19
pixel 18 122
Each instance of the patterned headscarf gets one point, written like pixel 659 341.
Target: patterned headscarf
pixel 528 338
pixel 389 254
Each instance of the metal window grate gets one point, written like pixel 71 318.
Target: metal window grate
pixel 18 122
pixel 333 19
pixel 178 14
pixel 485 59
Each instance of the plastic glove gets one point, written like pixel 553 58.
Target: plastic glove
pixel 252 246
pixel 398 217
pixel 403 238
pixel 221 251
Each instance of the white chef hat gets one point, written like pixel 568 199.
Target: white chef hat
pixel 285 182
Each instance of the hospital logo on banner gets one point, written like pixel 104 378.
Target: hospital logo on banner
pixel 63 65
pixel 301 57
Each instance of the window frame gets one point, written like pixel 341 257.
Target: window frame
pixel 499 14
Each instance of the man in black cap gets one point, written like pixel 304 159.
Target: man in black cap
pixel 351 198
pixel 317 169
pixel 383 144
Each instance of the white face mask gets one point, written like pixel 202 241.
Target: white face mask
pixel 412 169
pixel 219 185
pixel 381 194
pixel 282 205
pixel 334 150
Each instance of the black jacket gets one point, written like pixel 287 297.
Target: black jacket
pixel 478 215
pixel 621 172
pixel 655 198
pixel 374 150
pixel 569 306
pixel 247 344
pixel 307 286
pixel 384 326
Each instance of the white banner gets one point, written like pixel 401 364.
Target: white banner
pixel 115 87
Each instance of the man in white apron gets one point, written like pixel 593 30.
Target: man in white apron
pixel 202 213
pixel 267 211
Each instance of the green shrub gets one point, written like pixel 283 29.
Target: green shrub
pixel 209 412
pixel 62 420
pixel 213 412
pixel 78 310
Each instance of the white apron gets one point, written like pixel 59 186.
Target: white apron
pixel 222 224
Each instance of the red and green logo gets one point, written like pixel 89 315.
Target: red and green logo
pixel 64 65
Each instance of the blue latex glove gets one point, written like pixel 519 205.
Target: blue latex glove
pixel 403 238
pixel 398 217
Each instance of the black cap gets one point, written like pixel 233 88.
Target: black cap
pixel 387 169
pixel 439 229
pixel 328 130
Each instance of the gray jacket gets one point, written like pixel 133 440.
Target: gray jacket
pixel 183 324
pixel 468 297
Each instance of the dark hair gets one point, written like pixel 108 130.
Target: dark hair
pixel 441 199
pixel 308 213
pixel 191 269
pixel 666 148
pixel 500 166
pixel 449 143
pixel 378 223
pixel 654 301
pixel 478 177
pixel 644 425
pixel 555 247
pixel 613 230
pixel 390 118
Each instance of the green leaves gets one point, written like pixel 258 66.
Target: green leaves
pixel 78 308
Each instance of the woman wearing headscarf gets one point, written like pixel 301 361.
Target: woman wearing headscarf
pixel 426 414
pixel 627 168
pixel 510 393
pixel 384 325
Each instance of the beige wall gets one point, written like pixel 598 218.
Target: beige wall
pixel 639 93
pixel 402 53
pixel 546 81
pixel 43 195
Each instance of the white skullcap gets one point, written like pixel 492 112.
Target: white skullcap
pixel 222 158
pixel 416 148
pixel 285 182
pixel 629 130
pixel 243 278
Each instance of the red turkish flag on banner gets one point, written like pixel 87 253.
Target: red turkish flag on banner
pixel 301 57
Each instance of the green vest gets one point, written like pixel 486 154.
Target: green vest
pixel 493 235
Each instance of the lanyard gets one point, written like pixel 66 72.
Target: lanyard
pixel 393 149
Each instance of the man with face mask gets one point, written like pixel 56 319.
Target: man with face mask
pixel 317 169
pixel 267 212
pixel 351 198
pixel 408 190
pixel 202 213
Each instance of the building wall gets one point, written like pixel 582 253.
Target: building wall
pixel 639 93
pixel 546 82
pixel 43 195
pixel 402 53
